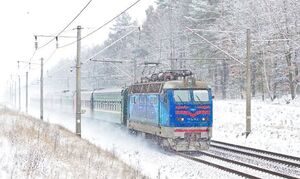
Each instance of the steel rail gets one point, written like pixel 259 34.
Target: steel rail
pixel 256 155
pixel 217 166
pixel 258 150
pixel 248 165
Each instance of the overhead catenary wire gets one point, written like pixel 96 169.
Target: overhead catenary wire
pixel 103 25
pixel 93 30
pixel 50 56
pixel 64 36
pixel 32 56
pixel 228 54
pixel 78 14
pixel 108 46
pixel 113 43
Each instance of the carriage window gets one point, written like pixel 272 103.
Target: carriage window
pixel 153 100
pixel 142 100
pixel 133 100
pixel 201 95
pixel 182 95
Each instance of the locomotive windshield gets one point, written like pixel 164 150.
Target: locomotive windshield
pixel 198 96
pixel 201 95
pixel 182 95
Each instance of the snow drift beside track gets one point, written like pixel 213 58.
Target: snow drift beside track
pixel 33 149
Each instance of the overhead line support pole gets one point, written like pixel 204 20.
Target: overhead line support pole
pixel 134 70
pixel 15 97
pixel 78 84
pixel 19 87
pixel 10 92
pixel 27 92
pixel 42 90
pixel 248 86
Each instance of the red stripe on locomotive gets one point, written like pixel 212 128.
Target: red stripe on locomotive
pixel 191 130
pixel 188 113
pixel 182 107
pixel 204 107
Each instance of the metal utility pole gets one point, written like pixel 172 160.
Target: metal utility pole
pixel 19 86
pixel 11 97
pixel 134 70
pixel 171 38
pixel 68 83
pixel 78 84
pixel 27 92
pixel 19 93
pixel 42 90
pixel 15 94
pixel 248 86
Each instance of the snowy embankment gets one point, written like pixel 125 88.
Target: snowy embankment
pixel 33 149
pixel 275 125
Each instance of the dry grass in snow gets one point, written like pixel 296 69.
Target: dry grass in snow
pixel 31 148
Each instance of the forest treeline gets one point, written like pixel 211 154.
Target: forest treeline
pixel 207 37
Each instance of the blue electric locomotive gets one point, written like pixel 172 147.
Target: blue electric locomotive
pixel 171 107
pixel 175 108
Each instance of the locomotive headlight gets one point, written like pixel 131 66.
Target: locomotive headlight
pixel 205 119
pixel 180 119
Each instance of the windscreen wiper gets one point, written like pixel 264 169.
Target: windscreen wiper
pixel 179 98
pixel 198 98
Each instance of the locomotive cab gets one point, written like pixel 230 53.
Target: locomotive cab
pixel 190 107
pixel 190 114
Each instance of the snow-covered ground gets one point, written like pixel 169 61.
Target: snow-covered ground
pixel 33 149
pixel 275 127
pixel 143 155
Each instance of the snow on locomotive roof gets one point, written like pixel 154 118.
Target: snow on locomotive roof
pixel 183 84
pixel 157 87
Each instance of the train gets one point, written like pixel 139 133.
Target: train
pixel 171 107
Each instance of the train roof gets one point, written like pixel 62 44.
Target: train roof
pixel 182 84
pixel 157 87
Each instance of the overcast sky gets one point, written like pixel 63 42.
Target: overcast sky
pixel 22 19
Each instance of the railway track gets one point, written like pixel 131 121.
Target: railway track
pixel 247 162
pixel 224 168
pixel 282 158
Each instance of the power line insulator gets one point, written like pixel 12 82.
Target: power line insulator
pixel 35 42
pixel 56 38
